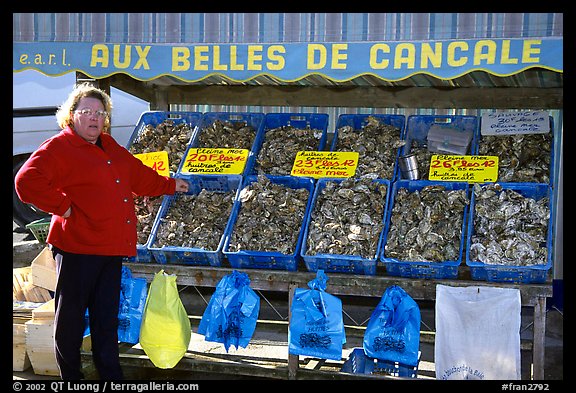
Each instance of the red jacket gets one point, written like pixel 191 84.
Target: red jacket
pixel 99 185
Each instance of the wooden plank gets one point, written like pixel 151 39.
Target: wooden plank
pixel 338 284
pixel 20 358
pixel 237 365
pixel 539 338
pixel 292 359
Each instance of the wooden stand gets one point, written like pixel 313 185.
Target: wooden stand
pixel 533 295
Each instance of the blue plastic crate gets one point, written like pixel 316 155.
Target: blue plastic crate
pixel 552 156
pixel 192 255
pixel 359 121
pixel 317 121
pixel 359 363
pixel 421 269
pixel 268 259
pixel 253 119
pixel 417 127
pixel 154 118
pixel 506 273
pixel 338 263
pixel 143 254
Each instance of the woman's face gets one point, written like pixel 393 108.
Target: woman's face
pixel 89 118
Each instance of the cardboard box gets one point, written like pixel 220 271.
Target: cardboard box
pixel 44 270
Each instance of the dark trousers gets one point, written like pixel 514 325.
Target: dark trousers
pixel 87 282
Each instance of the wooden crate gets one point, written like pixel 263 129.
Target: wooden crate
pixel 23 289
pixel 44 270
pixel 40 340
pixel 20 358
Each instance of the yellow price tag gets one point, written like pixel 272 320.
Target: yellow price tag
pixel 215 161
pixel 471 169
pixel 318 164
pixel 157 160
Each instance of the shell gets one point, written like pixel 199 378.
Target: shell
pixel 168 136
pixel 195 221
pixel 521 158
pixel 280 146
pixel 347 218
pixel 270 217
pixel 146 211
pixel 227 134
pixel 426 224
pixel 377 145
pixel 509 229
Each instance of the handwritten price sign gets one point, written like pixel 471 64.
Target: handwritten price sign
pixel 471 169
pixel 318 164
pixel 215 161
pixel 157 160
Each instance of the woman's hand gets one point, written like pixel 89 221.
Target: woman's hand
pixel 181 185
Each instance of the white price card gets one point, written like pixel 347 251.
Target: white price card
pixel 508 123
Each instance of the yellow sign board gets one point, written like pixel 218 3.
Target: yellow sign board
pixel 157 160
pixel 318 164
pixel 471 169
pixel 215 161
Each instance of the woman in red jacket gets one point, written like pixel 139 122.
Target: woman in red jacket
pixel 86 180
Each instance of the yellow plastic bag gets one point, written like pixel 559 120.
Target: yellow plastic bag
pixel 165 330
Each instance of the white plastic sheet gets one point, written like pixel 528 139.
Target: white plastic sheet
pixel 477 333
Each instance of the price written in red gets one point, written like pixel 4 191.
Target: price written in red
pixel 217 160
pixel 157 160
pixel 472 169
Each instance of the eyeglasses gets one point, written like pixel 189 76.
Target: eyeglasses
pixel 90 112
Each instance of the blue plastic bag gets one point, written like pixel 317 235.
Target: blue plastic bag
pixel 316 325
pixel 133 293
pixel 393 332
pixel 231 315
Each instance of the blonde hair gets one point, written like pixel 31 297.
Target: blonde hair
pixel 64 113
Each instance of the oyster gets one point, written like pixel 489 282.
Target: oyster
pixel 146 211
pixel 347 218
pixel 521 157
pixel 168 136
pixel 195 221
pixel 377 145
pixel 426 224
pixel 227 134
pixel 270 217
pixel 509 229
pixel 280 146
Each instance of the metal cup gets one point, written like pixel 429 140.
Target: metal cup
pixel 409 166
